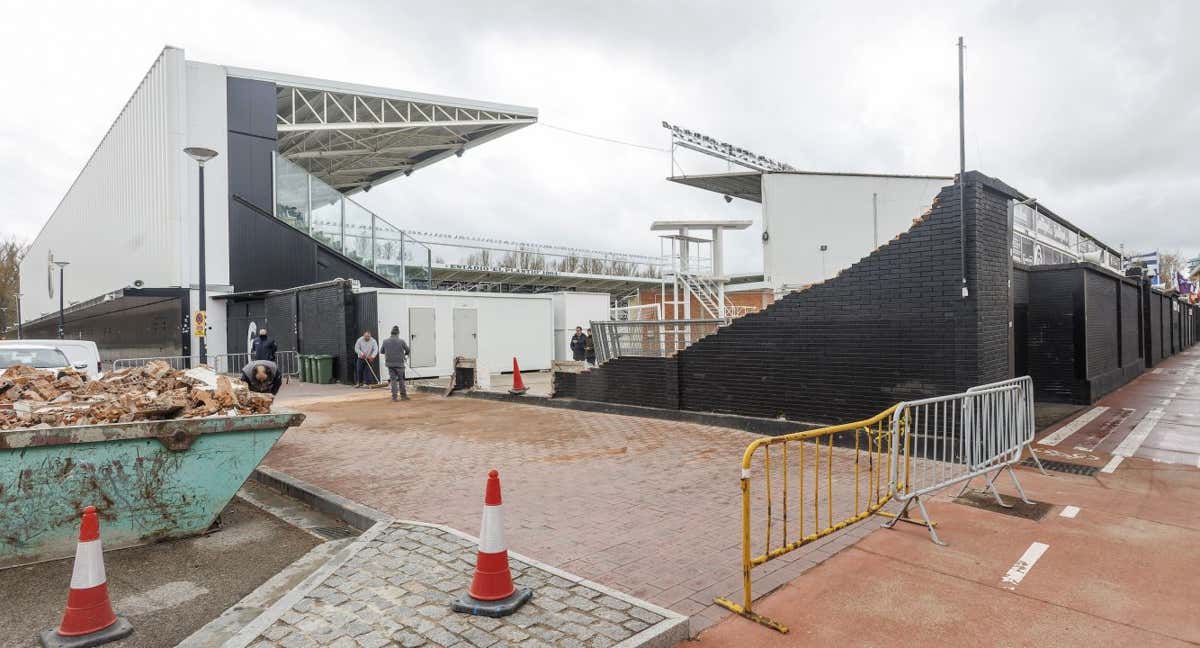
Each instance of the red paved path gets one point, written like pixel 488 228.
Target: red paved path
pixel 1123 572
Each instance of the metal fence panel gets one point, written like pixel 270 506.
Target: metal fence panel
pixel 648 338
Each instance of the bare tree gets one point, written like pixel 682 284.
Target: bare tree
pixel 1169 263
pixel 12 251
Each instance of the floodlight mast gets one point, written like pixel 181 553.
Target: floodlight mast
pixel 721 150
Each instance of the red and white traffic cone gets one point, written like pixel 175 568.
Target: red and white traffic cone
pixel 492 592
pixel 518 387
pixel 89 619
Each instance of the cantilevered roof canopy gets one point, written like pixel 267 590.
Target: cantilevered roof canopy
pixel 355 136
pixel 746 185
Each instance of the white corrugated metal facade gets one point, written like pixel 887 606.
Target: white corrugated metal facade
pixel 120 220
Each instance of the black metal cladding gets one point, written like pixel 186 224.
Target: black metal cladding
pixel 265 253
pixel 325 324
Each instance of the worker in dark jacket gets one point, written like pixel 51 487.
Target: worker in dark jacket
pixel 263 347
pixel 395 350
pixel 589 347
pixel 262 376
pixel 579 344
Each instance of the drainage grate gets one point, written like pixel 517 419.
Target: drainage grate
pixel 335 533
pixel 1060 466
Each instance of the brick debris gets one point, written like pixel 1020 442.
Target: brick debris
pixel 33 398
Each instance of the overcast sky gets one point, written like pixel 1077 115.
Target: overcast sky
pixel 1092 107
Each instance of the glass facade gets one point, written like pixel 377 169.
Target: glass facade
pixel 306 203
pixel 1041 240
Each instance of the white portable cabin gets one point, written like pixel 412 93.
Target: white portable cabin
pixel 573 309
pixel 493 328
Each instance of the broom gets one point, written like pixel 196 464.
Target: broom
pixel 376 384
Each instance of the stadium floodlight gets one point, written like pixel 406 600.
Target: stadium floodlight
pixel 711 146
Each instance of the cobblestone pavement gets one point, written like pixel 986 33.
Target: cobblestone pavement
pixel 648 507
pixel 396 589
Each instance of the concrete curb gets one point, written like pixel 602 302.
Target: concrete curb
pixel 766 427
pixel 356 515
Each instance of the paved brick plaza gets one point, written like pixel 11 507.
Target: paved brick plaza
pixel 649 507
pixel 397 586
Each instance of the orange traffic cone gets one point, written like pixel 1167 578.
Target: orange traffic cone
pixel 518 387
pixel 89 619
pixel 492 592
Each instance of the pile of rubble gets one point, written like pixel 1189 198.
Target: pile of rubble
pixel 35 398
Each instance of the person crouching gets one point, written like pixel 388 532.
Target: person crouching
pixel 262 376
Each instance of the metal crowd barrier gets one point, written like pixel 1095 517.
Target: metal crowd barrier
pixel 813 453
pixel 965 436
pixel 288 363
pixel 225 363
pixel 176 362
pixel 1029 423
pixel 909 451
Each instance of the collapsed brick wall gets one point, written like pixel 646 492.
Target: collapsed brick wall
pixel 893 326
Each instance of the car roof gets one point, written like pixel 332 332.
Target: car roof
pixel 31 347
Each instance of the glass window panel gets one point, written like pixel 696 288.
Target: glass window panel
pixel 326 215
pixel 418 272
pixel 291 194
pixel 389 243
pixel 358 234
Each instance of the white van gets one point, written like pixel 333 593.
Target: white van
pixel 83 354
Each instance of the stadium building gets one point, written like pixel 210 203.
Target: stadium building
pixel 292 152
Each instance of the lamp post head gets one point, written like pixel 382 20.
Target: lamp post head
pixel 61 264
pixel 200 154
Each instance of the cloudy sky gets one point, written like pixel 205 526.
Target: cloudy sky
pixel 1092 107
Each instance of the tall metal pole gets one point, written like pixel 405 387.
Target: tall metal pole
pixel 875 216
pixel 962 172
pixel 19 296
pixel 62 321
pixel 202 155
pixel 203 279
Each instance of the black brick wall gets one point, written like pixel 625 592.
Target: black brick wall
pixel 650 382
pixel 894 326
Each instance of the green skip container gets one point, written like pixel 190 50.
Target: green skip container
pixel 149 481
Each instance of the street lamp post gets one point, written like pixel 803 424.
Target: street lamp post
pixel 824 249
pixel 202 155
pixel 19 296
pixel 62 321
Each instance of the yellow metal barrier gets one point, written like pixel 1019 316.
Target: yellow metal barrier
pixel 872 459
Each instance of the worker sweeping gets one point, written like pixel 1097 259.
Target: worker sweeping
pixel 262 376
pixel 395 351
pixel 366 348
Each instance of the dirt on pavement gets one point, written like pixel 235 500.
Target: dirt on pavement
pixel 166 590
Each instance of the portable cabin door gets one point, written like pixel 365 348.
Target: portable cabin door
pixel 466 331
pixel 422 337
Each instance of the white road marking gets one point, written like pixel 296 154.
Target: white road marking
pixel 1130 445
pixel 1164 402
pixel 1069 511
pixel 1074 426
pixel 1156 371
pixel 1019 569
pixel 1112 464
